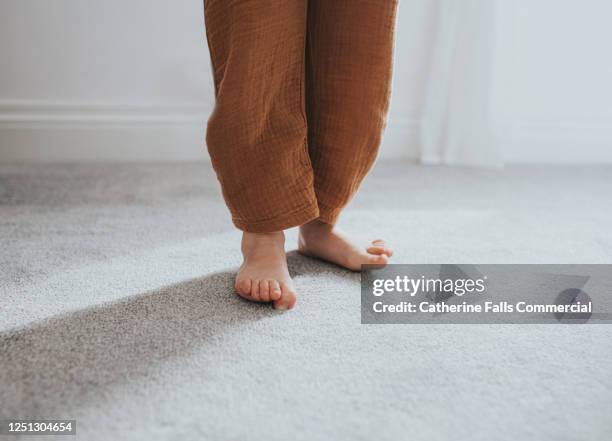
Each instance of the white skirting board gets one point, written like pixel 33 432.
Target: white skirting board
pixel 56 132
pixel 67 132
pixel 120 142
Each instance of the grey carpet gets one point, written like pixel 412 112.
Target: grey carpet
pixel 117 311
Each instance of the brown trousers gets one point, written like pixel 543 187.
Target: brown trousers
pixel 302 92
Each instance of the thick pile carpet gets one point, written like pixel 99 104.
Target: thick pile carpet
pixel 117 310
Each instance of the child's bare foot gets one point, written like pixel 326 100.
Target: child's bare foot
pixel 263 276
pixel 324 241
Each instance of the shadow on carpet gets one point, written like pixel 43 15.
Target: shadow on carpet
pixel 72 359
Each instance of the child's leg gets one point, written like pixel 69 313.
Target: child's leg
pixel 349 64
pixel 257 134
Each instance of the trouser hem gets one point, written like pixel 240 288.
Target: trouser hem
pixel 280 223
pixel 328 215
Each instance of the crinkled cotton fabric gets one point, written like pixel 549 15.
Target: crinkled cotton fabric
pixel 302 92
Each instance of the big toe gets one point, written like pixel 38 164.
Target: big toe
pixel 287 299
pixel 380 247
pixel 376 259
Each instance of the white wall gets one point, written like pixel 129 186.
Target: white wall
pixel 117 80
pixel 112 79
pixel 554 80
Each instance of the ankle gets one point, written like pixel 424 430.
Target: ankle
pixel 254 241
pixel 315 228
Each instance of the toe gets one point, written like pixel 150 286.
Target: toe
pixel 243 286
pixel 264 291
pixel 379 246
pixel 275 290
pixel 287 299
pixel 255 290
pixel 380 259
pixel 374 249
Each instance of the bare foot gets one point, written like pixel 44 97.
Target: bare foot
pixel 263 276
pixel 318 239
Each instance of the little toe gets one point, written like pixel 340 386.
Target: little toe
pixel 243 287
pixel 287 299
pixel 264 291
pixel 275 290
